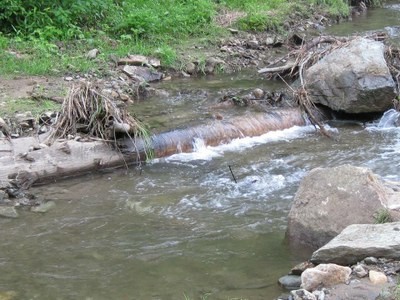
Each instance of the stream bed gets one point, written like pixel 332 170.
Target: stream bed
pixel 181 227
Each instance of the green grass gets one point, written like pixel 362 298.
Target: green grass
pixel 36 107
pixel 382 216
pixel 51 39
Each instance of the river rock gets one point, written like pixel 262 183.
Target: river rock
pixel 25 120
pixel 8 212
pixel 360 271
pixel 329 199
pixel 302 295
pixel 370 260
pixel 190 68
pixel 142 74
pixel 359 241
pixel 92 54
pixel 377 278
pixel 258 93
pixel 3 195
pixel 44 207
pixel 353 79
pixel 301 267
pixel 290 282
pixel 325 275
pixel 211 64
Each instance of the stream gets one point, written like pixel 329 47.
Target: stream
pixel 181 227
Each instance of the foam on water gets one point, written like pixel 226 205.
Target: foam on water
pixel 389 119
pixel 206 153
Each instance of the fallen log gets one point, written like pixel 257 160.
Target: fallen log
pixel 68 158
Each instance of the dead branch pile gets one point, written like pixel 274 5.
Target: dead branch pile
pixel 86 110
pixel 392 56
pixel 308 54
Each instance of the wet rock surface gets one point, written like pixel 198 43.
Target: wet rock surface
pixel 353 79
pixel 320 209
pixel 43 207
pixel 290 282
pixel 358 241
pixel 8 212
pixel 325 275
pixel 379 282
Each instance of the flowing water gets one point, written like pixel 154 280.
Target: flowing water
pixel 180 227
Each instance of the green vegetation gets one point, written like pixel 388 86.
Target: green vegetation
pixel 397 290
pixel 36 107
pixel 52 36
pixel 382 216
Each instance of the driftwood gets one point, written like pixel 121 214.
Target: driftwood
pixel 86 109
pixel 296 58
pixel 67 158
pixel 308 54
pixel 218 132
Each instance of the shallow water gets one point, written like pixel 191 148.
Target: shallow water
pixel 180 227
pixel 385 19
pixel 193 101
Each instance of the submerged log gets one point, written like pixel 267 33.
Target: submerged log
pixel 73 158
pixel 217 132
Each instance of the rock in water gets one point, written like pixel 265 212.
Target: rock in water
pixel 8 212
pixel 329 199
pixel 290 282
pixel 44 207
pixel 353 79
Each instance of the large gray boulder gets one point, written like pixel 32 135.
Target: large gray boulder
pixel 359 241
pixel 353 79
pixel 330 199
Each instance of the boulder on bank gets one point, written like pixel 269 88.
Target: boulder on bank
pixel 330 199
pixel 359 241
pixel 353 79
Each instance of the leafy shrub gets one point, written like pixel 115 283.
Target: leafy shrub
pixel 3 42
pixel 257 22
pixel 336 7
pixel 60 18
pixel 147 19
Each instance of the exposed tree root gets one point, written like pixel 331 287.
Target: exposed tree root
pixel 88 111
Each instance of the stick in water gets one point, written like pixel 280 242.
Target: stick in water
pixel 233 175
